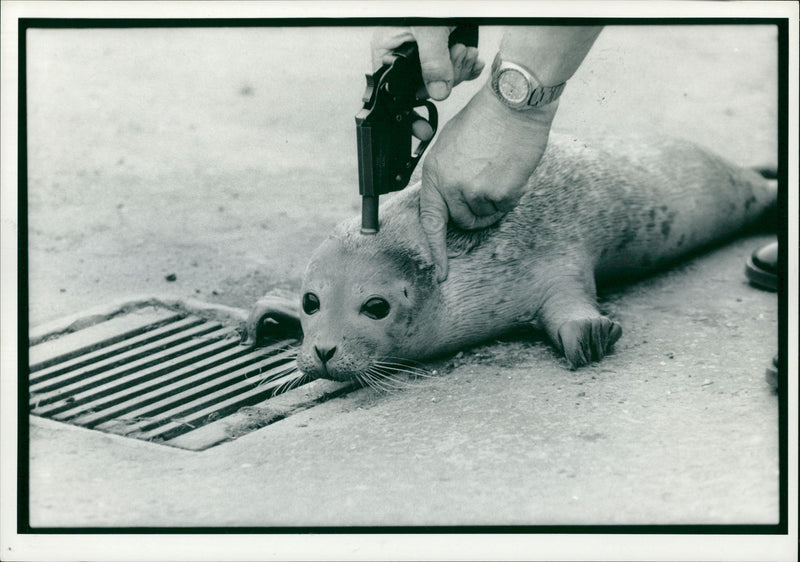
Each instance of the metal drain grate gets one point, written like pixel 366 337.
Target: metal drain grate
pixel 156 374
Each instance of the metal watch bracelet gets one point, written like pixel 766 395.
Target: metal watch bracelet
pixel 518 88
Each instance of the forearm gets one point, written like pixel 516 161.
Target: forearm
pixel 479 167
pixel 551 53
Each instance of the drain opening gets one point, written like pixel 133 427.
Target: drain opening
pixel 164 376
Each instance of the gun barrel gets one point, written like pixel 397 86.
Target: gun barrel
pixel 369 214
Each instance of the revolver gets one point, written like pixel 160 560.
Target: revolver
pixel 383 125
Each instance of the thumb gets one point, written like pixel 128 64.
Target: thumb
pixel 434 57
pixel 433 218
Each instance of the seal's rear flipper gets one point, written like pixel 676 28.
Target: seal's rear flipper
pixel 274 317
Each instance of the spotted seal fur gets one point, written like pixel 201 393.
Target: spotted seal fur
pixel 592 212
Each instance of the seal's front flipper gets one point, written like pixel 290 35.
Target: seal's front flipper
pixel 274 317
pixel 588 339
pixel 571 319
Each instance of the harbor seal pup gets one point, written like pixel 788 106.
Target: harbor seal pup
pixel 591 213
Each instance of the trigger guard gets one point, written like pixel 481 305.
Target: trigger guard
pixel 432 120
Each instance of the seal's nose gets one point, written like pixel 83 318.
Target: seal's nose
pixel 325 354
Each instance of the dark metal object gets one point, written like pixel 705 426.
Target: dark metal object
pixel 383 125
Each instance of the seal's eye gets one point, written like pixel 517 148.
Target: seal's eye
pixel 375 308
pixel 310 303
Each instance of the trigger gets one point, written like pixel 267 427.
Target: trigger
pixel 421 128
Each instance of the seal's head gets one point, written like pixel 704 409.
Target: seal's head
pixel 368 302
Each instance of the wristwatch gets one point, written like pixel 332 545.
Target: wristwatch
pixel 518 88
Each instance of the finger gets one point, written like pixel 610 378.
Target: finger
pixel 473 65
pixel 422 130
pixel 385 40
pixel 480 207
pixel 434 56
pixel 458 54
pixel 473 216
pixel 485 221
pixel 504 204
pixel 433 218
pixel 487 205
pixel 470 217
pixel 386 60
pixel 466 64
pixel 477 69
pixel 461 214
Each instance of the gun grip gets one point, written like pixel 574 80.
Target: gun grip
pixel 383 126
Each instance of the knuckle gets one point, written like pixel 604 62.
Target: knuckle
pixel 506 203
pixel 437 68
pixel 458 51
pixel 465 220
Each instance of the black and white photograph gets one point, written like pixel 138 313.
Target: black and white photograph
pixel 294 274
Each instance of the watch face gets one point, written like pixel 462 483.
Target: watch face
pixel 513 86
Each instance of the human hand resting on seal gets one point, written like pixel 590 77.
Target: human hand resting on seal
pixel 479 167
pixel 372 308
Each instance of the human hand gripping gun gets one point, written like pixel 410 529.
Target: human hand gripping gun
pixel 384 125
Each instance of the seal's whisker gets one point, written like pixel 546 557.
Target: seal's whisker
pixel 398 362
pixel 395 384
pixel 405 360
pixel 388 378
pixel 378 382
pixel 389 373
pixel 360 379
pixel 279 389
pixel 401 368
pixel 290 367
pixel 290 383
pixel 382 381
pixel 292 354
pixel 389 360
pixel 298 381
pixel 373 383
pixel 285 372
pixel 410 373
pixel 365 378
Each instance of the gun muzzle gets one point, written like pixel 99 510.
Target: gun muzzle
pixel 369 214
